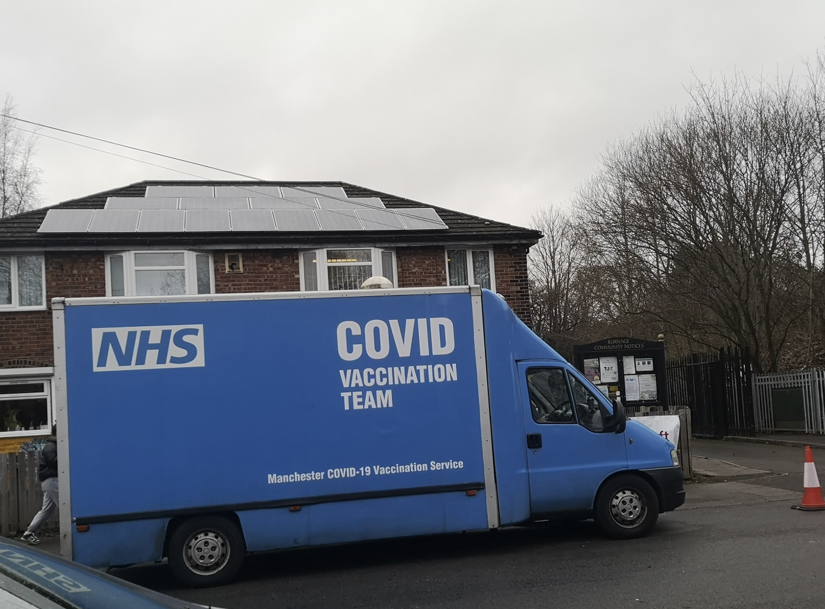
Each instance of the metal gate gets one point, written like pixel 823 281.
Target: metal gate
pixel 791 401
pixel 717 387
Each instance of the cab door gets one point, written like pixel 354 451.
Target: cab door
pixel 569 452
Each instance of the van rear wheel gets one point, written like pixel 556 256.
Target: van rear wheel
pixel 626 507
pixel 206 551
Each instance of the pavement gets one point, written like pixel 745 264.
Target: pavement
pixel 738 478
pixel 718 468
pixel 49 542
pixel 784 439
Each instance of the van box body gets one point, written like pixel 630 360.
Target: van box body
pixel 316 418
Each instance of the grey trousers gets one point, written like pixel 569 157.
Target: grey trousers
pixel 50 499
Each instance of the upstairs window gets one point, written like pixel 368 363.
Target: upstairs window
pixel 22 282
pixel 159 273
pixel 470 267
pixel 344 269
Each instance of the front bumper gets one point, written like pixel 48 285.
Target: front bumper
pixel 670 484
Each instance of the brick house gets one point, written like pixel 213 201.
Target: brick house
pixel 162 237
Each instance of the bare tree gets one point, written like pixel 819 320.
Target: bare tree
pixel 692 220
pixel 19 177
pixel 555 264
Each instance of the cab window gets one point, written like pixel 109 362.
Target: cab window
pixel 549 396
pixel 556 396
pixel 587 406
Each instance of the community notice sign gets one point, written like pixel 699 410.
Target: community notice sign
pixel 631 367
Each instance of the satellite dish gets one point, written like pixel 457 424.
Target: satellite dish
pixel 377 283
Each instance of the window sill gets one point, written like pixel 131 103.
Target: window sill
pixel 25 433
pixel 6 309
pixel 25 373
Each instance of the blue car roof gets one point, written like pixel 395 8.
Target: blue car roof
pixel 66 582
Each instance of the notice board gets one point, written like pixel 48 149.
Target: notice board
pixel 632 367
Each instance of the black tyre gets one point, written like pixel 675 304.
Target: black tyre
pixel 206 551
pixel 626 507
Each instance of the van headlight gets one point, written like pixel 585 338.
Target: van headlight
pixel 674 455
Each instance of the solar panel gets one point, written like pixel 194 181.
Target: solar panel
pixel 214 203
pixel 367 201
pixel 141 203
pixel 161 221
pixel 115 221
pixel 156 214
pixel 273 203
pixel 336 204
pixel 247 191
pixel 308 191
pixel 379 219
pixel 342 219
pixel 304 202
pixel 180 191
pixel 207 220
pixel 252 220
pixel 66 221
pixel 420 218
pixel 295 220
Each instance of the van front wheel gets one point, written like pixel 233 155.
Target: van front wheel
pixel 626 507
pixel 206 551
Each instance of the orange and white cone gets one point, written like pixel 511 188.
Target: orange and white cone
pixel 812 498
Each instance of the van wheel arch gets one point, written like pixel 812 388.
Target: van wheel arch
pixel 176 521
pixel 627 505
pixel 205 550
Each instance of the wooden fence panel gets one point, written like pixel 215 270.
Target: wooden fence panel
pixel 7 496
pixel 22 496
pixel 27 486
pixel 14 506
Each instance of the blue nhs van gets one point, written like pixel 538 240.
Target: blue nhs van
pixel 200 428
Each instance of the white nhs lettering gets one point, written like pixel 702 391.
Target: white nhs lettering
pixel 433 336
pixel 147 348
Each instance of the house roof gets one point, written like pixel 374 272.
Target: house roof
pixel 21 231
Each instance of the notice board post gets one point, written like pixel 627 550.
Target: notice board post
pixel 630 366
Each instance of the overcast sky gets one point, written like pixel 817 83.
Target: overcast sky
pixel 493 108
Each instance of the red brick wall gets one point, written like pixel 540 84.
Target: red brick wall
pixel 75 275
pixel 421 266
pixel 263 271
pixel 26 339
pixel 425 267
pixel 26 336
pixel 511 279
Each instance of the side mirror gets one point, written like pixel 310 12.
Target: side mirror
pixel 616 422
pixel 620 416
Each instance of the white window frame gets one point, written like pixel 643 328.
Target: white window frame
pixel 15 290
pixel 189 268
pixel 18 376
pixel 321 265
pixel 470 271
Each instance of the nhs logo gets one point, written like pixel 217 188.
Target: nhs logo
pixel 147 348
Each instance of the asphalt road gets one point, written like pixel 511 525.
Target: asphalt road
pixel 735 543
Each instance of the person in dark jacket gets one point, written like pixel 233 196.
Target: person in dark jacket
pixel 47 473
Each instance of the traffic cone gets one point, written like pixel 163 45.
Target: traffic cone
pixel 812 498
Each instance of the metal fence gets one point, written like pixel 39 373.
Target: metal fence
pixel 717 387
pixel 20 494
pixel 790 401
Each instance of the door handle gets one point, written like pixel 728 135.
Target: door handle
pixel 533 440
